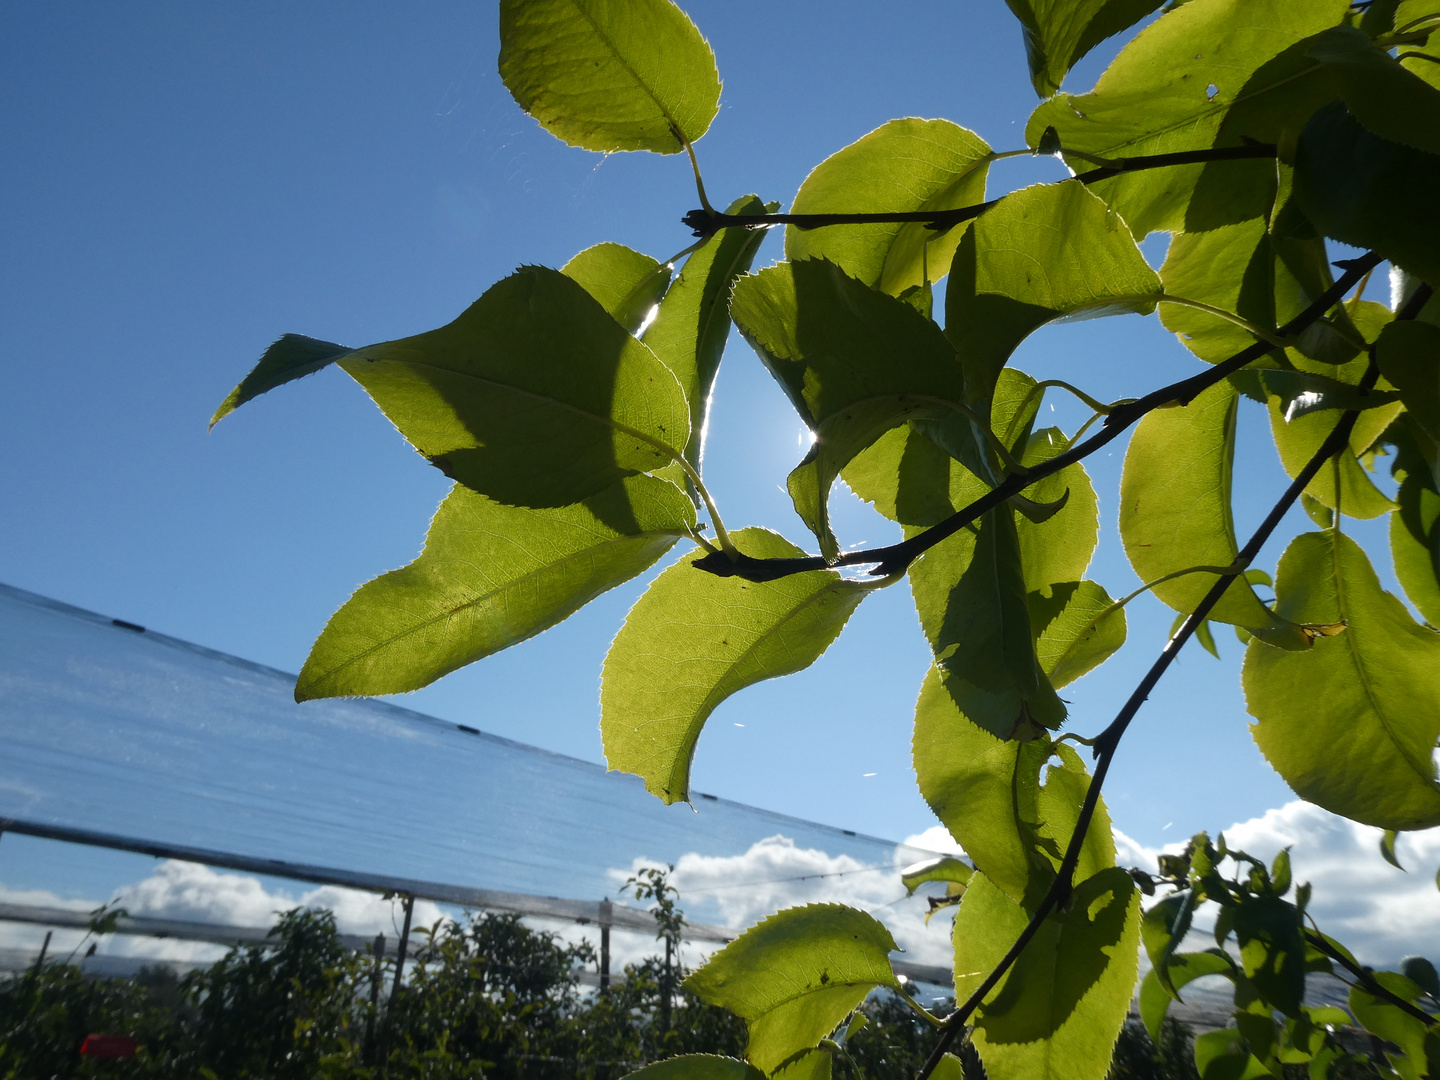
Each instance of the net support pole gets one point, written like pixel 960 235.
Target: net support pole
pixel 400 949
pixel 604 921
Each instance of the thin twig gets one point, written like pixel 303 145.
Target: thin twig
pixel 1368 982
pixel 706 221
pixel 896 557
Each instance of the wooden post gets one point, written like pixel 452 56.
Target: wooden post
pixel 665 984
pixel 605 916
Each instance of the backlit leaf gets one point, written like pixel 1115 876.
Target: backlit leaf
pixel 693 323
pixel 534 396
pixel 1058 1011
pixel 854 362
pixel 1162 928
pixel 1409 357
pixel 987 792
pixel 904 166
pixel 1351 724
pixel 491 575
pixel 1060 32
pixel 1040 253
pixel 1360 188
pixel 697 1067
pixel 796 975
pixel 1298 435
pixel 610 74
pixel 1172 88
pixel 1184 968
pixel 1175 511
pixel 945 868
pixel 292 357
pixel 1419 1048
pixel 1415 544
pixel 627 283
pixel 1059 548
pixel 1221 1055
pixel 971 595
pixel 694 639
pixel 1077 627
pixel 1272 951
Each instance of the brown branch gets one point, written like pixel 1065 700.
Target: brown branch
pixel 897 557
pixel 1368 982
pixel 1107 742
pixel 707 222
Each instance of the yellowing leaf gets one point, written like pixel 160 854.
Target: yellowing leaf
pixel 901 167
pixel 534 396
pixel 1352 723
pixel 694 639
pixel 794 976
pixel 491 575
pixel 610 74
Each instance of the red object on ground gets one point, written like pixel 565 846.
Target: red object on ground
pixel 108 1046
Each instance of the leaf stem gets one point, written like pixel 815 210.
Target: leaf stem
pixel 887 560
pixel 721 536
pixel 1229 316
pixel 1039 389
pixel 699 180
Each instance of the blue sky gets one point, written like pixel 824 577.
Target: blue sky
pixel 183 183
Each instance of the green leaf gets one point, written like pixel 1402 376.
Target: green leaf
pixel 1351 724
pixel 988 794
pixel 1184 968
pixel 534 396
pixel 970 592
pixel 1298 393
pixel 694 639
pixel 1368 191
pixel 1060 32
pixel 1221 1055
pixel 1078 627
pixel 854 362
pixel 1390 100
pixel 627 283
pixel 1415 544
pixel 1422 973
pixel 908 478
pixel 693 323
pixel 606 75
pixel 491 575
pixel 292 357
pixel 698 1067
pixel 1409 357
pixel 1039 254
pixel 1233 268
pixel 1172 88
pixel 1058 1011
pixel 1272 951
pixel 1059 548
pixel 905 166
pixel 796 975
pixel 809 1065
pixel 941 868
pixel 1175 510
pixel 1162 929
pixel 1299 435
pixel 1419 1048
pixel 1387 848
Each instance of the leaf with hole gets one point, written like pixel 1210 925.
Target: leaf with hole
pixel 609 75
